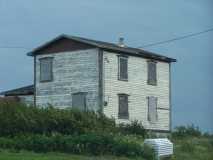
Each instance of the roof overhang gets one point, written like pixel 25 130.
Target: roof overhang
pixel 27 90
pixel 106 46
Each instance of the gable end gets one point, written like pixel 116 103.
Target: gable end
pixel 62 45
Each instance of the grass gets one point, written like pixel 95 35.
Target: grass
pixel 24 155
pixel 193 149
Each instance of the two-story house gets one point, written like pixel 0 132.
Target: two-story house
pixel 123 82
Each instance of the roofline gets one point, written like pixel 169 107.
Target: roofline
pixel 166 59
pixel 6 93
pixel 45 44
pixel 142 53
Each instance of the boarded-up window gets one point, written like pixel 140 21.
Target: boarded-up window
pixel 123 112
pixel 152 109
pixel 46 73
pixel 123 68
pixel 79 101
pixel 152 73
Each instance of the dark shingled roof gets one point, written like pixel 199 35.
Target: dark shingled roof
pixel 27 90
pixel 108 46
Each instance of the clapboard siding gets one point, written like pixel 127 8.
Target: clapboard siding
pixel 73 71
pixel 27 99
pixel 137 89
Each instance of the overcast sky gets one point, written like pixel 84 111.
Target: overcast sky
pixel 29 23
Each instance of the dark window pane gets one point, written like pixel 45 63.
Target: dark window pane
pixel 46 69
pixel 152 73
pixel 123 68
pixel 79 101
pixel 123 107
pixel 152 109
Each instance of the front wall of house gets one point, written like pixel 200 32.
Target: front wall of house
pixel 137 89
pixel 73 72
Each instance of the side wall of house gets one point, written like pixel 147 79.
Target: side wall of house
pixel 138 90
pixel 75 71
pixel 27 99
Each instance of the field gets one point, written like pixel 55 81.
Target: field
pixel 193 149
pixel 185 149
pixel 6 155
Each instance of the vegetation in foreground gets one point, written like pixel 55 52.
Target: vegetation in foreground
pixel 45 132
pixel 193 148
pixel 69 131
pixel 25 155
pixel 191 144
pixel 190 148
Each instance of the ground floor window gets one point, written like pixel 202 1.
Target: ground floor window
pixel 79 101
pixel 152 109
pixel 123 111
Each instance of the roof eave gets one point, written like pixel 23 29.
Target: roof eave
pixel 140 54
pixel 164 59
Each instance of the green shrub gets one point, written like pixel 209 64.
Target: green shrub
pixel 16 118
pixel 95 144
pixel 148 152
pixel 19 119
pixel 134 127
pixel 65 130
pixel 186 131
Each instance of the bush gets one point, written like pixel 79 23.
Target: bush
pixel 183 132
pixel 65 130
pixel 134 127
pixel 19 119
pixel 16 118
pixel 95 144
pixel 148 152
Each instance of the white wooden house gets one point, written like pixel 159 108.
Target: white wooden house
pixel 123 82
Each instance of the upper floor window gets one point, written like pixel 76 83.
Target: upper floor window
pixel 122 68
pixel 152 109
pixel 123 110
pixel 46 71
pixel 152 73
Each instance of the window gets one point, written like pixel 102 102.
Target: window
pixel 79 101
pixel 46 73
pixel 152 73
pixel 122 68
pixel 152 109
pixel 123 112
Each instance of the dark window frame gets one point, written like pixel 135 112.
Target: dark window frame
pixel 151 81
pixel 51 69
pixel 120 116
pixel 119 68
pixel 148 110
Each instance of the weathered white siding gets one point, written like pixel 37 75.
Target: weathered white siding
pixel 138 90
pixel 75 71
pixel 27 99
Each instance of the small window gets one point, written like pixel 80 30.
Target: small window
pixel 46 73
pixel 79 101
pixel 152 109
pixel 122 68
pixel 152 73
pixel 123 112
